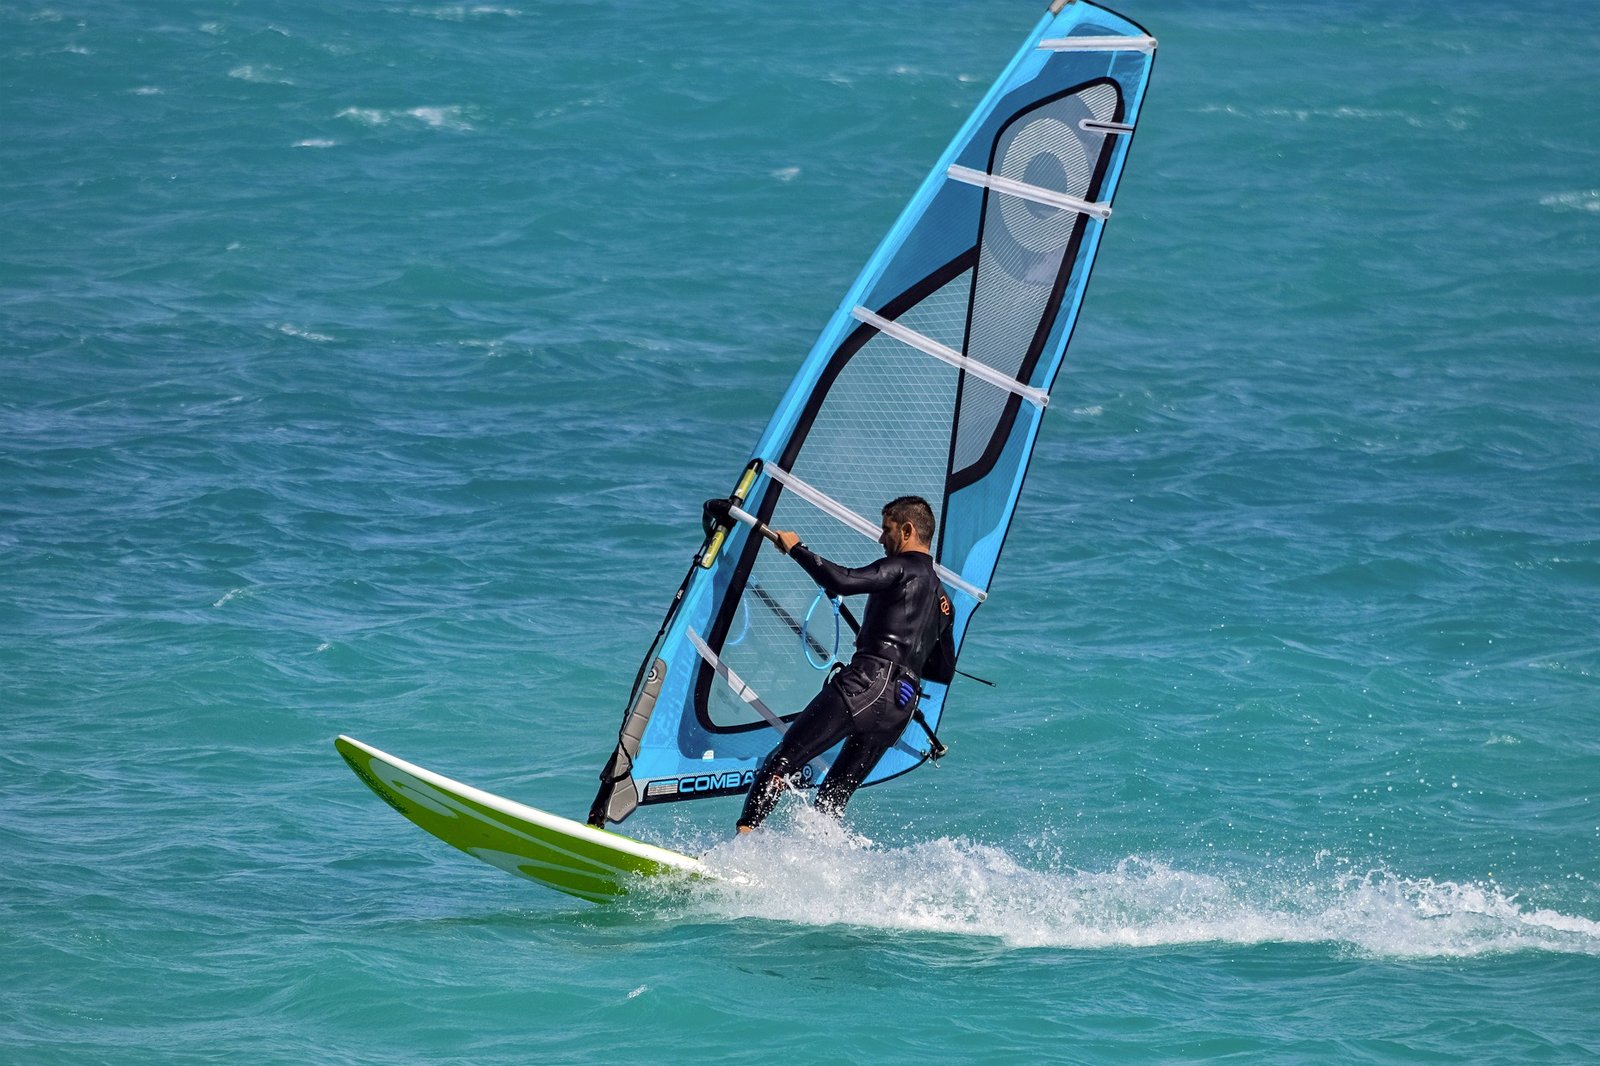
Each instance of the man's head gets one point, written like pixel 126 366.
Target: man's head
pixel 907 525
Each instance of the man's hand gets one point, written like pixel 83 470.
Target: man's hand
pixel 785 539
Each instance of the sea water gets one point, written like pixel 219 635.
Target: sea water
pixel 363 367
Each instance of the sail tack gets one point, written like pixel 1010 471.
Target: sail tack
pixel 930 380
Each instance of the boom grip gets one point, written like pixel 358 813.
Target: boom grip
pixel 719 535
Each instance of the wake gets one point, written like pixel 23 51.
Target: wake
pixel 815 872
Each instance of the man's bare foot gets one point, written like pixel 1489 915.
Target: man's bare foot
pixel 747 829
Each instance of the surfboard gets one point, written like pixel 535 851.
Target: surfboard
pixel 568 856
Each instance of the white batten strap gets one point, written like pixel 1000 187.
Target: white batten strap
pixel 1147 45
pixel 1048 197
pixel 928 346
pixel 735 682
pixel 828 505
pixel 823 502
pixel 1089 125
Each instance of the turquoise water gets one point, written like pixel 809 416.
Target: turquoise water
pixel 362 368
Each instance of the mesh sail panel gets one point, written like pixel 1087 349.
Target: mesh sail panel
pixel 943 316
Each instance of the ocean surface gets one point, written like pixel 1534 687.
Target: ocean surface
pixel 363 367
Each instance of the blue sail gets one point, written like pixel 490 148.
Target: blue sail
pixel 930 379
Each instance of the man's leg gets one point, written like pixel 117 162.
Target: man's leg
pixel 818 728
pixel 856 760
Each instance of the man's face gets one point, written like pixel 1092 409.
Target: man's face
pixel 893 538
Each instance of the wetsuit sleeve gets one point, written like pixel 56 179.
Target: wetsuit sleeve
pixel 844 580
pixel 941 663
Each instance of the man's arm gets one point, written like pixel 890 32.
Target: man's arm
pixel 838 580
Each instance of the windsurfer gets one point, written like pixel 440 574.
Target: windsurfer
pixel 905 635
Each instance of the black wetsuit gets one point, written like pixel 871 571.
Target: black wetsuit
pixel 904 634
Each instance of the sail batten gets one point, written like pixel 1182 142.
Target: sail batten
pixel 1048 197
pixel 1089 125
pixel 931 378
pixel 928 346
pixel 735 682
pixel 1144 44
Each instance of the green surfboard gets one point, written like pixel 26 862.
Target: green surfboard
pixel 565 855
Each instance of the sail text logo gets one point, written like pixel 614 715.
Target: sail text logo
pixel 672 788
pixel 716 782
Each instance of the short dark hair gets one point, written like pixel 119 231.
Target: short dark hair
pixel 913 511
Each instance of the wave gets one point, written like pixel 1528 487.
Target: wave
pixel 290 330
pixel 449 118
pixel 464 12
pixel 1456 118
pixel 262 75
pixel 1587 200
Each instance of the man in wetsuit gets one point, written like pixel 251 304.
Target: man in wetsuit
pixel 904 634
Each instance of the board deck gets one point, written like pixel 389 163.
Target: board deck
pixel 568 856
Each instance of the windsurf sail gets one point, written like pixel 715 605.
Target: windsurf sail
pixel 930 379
